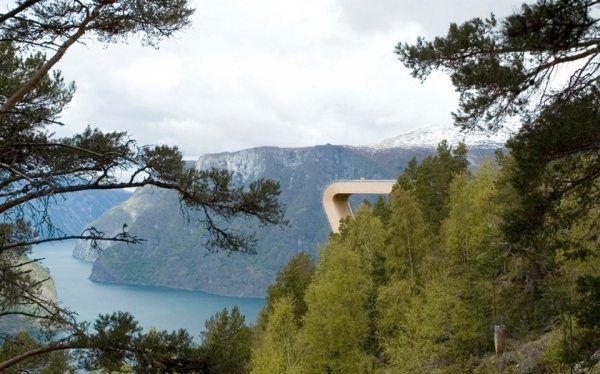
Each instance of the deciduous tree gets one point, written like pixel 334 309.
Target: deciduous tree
pixel 279 349
pixel 292 282
pixel 336 323
pixel 539 67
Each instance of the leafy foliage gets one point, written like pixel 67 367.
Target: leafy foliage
pixel 401 298
pixel 336 323
pixel 430 181
pixel 292 282
pixel 279 349
pixel 36 167
pixel 508 70
pixel 516 244
pixel 57 362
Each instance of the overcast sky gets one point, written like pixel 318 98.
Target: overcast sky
pixel 280 73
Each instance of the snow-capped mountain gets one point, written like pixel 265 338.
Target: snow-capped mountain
pixel 430 137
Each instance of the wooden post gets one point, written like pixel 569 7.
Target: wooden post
pixel 499 339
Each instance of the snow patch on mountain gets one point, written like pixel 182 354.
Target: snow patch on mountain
pixel 430 137
pixel 250 164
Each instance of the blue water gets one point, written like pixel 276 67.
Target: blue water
pixel 160 307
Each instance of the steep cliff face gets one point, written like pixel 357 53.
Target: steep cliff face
pixel 112 221
pixel 173 254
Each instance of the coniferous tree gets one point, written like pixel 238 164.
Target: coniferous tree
pixel 434 175
pixel 57 362
pixel 504 71
pixel 227 342
pixel 473 247
pixel 36 167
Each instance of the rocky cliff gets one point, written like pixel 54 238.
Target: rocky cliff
pixel 13 324
pixel 113 219
pixel 173 254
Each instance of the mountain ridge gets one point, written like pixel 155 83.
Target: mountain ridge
pixel 430 137
pixel 173 255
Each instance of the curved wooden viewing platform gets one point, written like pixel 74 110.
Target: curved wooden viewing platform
pixel 336 195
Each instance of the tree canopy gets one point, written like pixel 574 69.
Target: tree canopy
pixel 36 167
pixel 540 67
pixel 55 25
pixel 512 243
pixel 537 67
pixel 509 68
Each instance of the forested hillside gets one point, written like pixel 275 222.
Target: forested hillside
pixel 174 252
pixel 417 283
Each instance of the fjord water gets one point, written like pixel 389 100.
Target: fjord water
pixel 164 308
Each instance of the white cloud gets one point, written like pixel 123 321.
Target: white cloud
pixel 282 73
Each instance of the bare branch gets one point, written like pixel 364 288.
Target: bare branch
pixel 118 238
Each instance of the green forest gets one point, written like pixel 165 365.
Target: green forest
pixel 420 282
pixel 415 283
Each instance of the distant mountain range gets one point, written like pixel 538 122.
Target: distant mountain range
pixel 173 254
pixel 430 137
